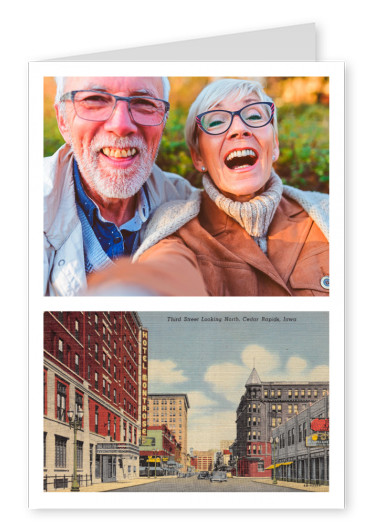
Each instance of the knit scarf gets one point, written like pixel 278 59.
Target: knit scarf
pixel 255 215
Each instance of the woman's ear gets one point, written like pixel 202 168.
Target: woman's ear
pixel 197 160
pixel 275 149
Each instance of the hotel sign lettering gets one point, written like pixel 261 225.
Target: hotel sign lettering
pixel 144 385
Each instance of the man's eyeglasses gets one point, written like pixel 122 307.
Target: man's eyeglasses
pixel 98 106
pixel 253 115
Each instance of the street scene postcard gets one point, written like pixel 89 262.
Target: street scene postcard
pixel 186 402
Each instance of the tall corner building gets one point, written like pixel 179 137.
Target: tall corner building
pixel 171 410
pixel 263 407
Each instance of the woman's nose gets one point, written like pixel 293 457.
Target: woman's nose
pixel 120 121
pixel 238 128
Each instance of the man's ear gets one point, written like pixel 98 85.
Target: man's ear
pixel 197 160
pixel 61 122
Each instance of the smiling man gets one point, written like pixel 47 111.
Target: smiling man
pixel 102 186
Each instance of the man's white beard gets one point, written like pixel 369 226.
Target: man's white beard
pixel 114 183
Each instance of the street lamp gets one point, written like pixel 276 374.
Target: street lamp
pixel 273 442
pixel 75 422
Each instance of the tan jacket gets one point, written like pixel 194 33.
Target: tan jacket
pixel 213 255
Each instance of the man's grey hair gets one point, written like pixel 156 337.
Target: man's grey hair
pixel 60 84
pixel 216 92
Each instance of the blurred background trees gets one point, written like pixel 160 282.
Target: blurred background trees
pixel 303 124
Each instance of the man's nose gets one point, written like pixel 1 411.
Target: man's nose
pixel 120 121
pixel 238 128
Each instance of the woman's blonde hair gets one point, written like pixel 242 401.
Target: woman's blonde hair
pixel 216 92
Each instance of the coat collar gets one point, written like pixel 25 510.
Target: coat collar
pixel 287 233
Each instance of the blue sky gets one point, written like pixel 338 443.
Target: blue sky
pixel 211 358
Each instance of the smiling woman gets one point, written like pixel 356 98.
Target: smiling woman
pixel 250 234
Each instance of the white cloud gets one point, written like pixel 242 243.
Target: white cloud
pixel 165 372
pixel 295 366
pixel 319 373
pixel 198 400
pixel 206 432
pixel 227 379
pixel 264 361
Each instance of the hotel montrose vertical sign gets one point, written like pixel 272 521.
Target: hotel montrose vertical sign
pixel 144 384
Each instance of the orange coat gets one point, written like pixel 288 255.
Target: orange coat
pixel 231 263
pixel 213 255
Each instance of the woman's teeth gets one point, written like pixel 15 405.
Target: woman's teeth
pixel 119 153
pixel 241 158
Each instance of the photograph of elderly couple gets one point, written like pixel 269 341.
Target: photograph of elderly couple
pixel 186 186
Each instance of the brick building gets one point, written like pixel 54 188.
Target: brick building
pixel 204 460
pixel 171 410
pixel 160 453
pixel 92 363
pixel 263 407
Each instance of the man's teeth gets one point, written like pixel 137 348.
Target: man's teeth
pixel 241 153
pixel 119 153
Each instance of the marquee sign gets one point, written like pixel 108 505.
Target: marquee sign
pixel 144 386
pixel 320 424
pixel 317 439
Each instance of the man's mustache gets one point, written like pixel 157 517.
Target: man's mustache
pixel 102 141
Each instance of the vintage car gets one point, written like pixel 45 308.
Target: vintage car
pixel 203 475
pixel 218 475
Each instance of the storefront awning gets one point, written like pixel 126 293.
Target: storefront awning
pixel 274 466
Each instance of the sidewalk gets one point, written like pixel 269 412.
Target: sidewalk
pixel 292 485
pixel 103 487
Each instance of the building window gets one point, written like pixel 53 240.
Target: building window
pixel 304 430
pixel 108 390
pixel 115 347
pixel 104 360
pixel 315 393
pixel 254 448
pixel 96 321
pixel 130 433
pixel 302 393
pixel 78 405
pixel 135 436
pixel 292 436
pixel 109 365
pixel 260 466
pixel 96 418
pixel 289 438
pixel 124 431
pixel 309 393
pixel 279 393
pixel 295 409
pixel 60 316
pixel 76 329
pixel 266 393
pixel 61 401
pixel 88 372
pixel 290 393
pixel 104 386
pixel 108 424
pixel 289 408
pixel 115 428
pixel 300 433
pixel 60 452
pixel 273 422
pixel 296 394
pixel 77 363
pixel 96 380
pixel 115 396
pixel 61 351
pixel 259 449
pixel 96 351
pixel 114 372
pixel 272 393
pixel 44 448
pixel 80 454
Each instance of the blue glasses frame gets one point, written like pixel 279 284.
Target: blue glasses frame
pixel 236 113
pixel 71 95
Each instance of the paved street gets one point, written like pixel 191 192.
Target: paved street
pixel 193 484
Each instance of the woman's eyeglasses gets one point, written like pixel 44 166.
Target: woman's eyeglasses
pixel 254 115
